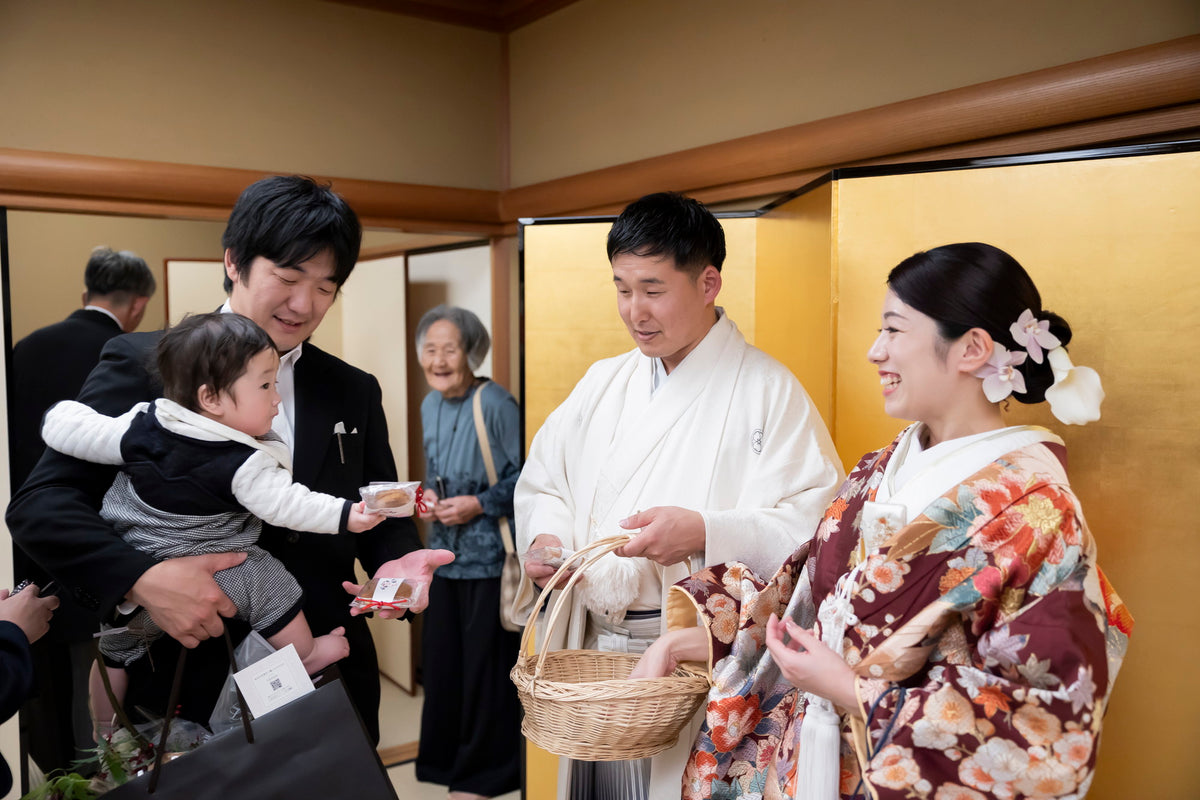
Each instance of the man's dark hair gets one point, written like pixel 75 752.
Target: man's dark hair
pixel 288 220
pixel 118 276
pixel 671 225
pixel 211 350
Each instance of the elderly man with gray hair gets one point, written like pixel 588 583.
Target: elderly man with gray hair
pixel 470 723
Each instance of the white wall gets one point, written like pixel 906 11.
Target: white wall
pixel 604 82
pixel 193 287
pixel 373 337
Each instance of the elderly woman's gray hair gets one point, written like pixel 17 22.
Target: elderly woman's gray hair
pixel 471 333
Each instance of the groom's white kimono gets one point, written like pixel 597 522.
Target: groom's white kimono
pixel 730 433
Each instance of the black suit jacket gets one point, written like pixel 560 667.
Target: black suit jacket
pixel 54 517
pixel 50 365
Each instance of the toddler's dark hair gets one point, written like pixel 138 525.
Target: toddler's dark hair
pixel 211 350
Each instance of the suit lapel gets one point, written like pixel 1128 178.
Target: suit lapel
pixel 316 412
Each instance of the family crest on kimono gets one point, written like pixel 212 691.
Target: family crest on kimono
pixel 947 633
pixel 705 446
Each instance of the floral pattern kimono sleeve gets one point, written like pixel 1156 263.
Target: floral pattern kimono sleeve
pixel 749 703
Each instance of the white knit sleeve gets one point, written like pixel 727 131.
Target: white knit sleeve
pixel 76 430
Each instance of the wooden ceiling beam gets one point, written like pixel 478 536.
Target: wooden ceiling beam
pixel 65 182
pixel 498 16
pixel 1145 78
pixel 1148 92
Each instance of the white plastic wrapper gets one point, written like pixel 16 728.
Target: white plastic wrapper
pixel 394 499
pixel 550 556
pixel 227 713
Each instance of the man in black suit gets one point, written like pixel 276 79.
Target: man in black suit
pixel 290 244
pixel 47 366
pixel 51 363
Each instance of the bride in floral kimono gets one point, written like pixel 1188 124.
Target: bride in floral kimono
pixel 947 633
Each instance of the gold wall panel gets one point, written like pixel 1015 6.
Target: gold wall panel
pixel 1112 246
pixel 795 307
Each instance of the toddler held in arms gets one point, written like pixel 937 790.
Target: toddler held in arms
pixel 200 471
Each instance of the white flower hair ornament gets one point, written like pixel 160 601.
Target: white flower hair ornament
pixel 1034 335
pixel 1076 394
pixel 1000 374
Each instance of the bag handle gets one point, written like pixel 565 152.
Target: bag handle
pixel 486 447
pixel 118 708
pixel 173 704
pixel 588 555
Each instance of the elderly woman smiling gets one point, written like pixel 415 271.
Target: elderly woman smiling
pixel 470 723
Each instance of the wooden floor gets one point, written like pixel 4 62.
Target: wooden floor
pixel 391 756
pixel 399 727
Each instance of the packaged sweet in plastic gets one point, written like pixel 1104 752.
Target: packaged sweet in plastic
pixel 394 499
pixel 550 556
pixel 393 593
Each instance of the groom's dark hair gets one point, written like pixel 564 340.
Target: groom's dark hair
pixel 671 225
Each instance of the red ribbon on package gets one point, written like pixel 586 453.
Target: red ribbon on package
pixel 422 508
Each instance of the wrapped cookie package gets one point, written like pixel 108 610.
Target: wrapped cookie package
pixel 387 593
pixel 392 499
pixel 550 556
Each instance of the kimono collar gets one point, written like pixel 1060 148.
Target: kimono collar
pixel 950 463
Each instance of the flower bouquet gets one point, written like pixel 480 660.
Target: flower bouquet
pixel 118 757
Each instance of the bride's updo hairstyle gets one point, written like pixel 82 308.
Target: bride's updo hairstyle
pixel 975 285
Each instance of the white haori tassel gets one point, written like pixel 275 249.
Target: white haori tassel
pixel 611 586
pixel 818 764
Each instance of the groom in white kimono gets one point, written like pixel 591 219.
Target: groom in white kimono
pixel 704 446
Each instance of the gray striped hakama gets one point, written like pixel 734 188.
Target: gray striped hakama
pixel 616 780
pixel 265 593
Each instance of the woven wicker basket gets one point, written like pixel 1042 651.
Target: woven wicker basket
pixel 581 704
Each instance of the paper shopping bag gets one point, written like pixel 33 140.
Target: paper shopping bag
pixel 315 746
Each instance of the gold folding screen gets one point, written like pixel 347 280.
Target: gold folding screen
pixel 1112 244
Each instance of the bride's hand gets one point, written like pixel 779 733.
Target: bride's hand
pixel 808 664
pixel 662 657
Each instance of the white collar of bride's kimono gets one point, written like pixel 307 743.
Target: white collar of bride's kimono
pixel 951 462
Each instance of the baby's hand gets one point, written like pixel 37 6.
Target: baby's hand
pixel 361 519
pixel 429 498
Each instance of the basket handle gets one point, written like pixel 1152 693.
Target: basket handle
pixel 589 555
